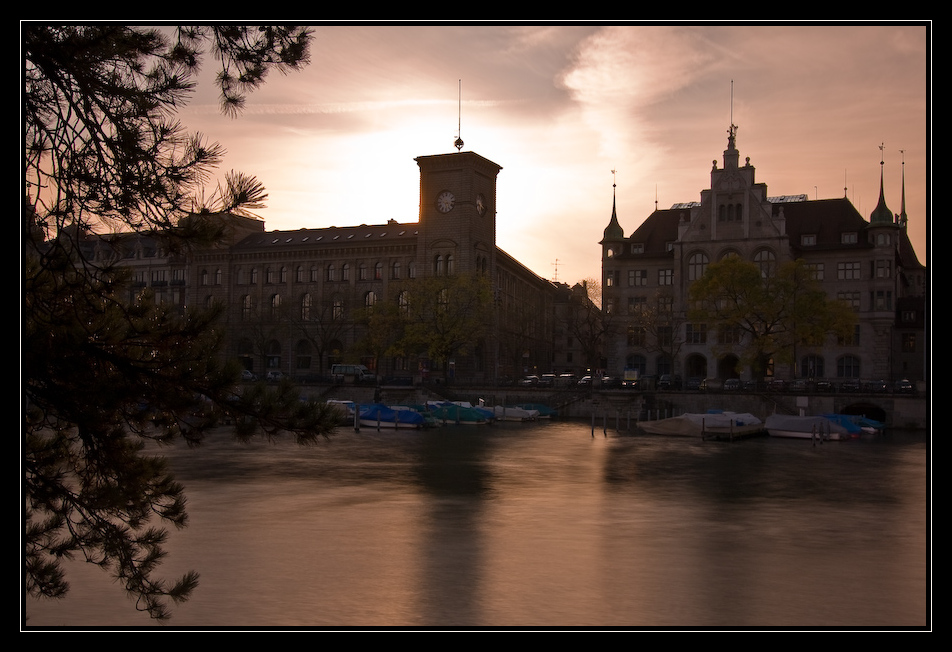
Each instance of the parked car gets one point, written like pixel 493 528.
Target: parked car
pixel 274 376
pixel 585 381
pixel 732 385
pixel 246 375
pixel 850 385
pixel 776 385
pixel 693 383
pixel 904 386
pixel 529 381
pixel 609 382
pixel 567 379
pixel 711 385
pixel 823 386
pixel 876 386
pixel 668 382
pixel 547 380
pixel 799 385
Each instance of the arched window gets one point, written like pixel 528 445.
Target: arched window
pixel 370 299
pixel 395 269
pixel 247 307
pixel 847 366
pixel 275 305
pixel 766 261
pixel 697 265
pixel 438 265
pixel 331 273
pixel 403 302
pixel 811 366
pixel 306 307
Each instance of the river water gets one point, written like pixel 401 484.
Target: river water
pixel 550 525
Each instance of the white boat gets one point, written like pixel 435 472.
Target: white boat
pixel 347 409
pixel 807 427
pixel 507 413
pixel 706 423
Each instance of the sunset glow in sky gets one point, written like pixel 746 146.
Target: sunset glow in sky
pixel 560 106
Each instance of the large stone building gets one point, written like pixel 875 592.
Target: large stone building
pixel 294 298
pixel 870 264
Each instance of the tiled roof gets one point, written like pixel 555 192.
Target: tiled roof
pixel 331 235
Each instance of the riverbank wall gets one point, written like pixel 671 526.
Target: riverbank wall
pixel 895 410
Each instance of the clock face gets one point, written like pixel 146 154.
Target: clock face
pixel 445 201
pixel 480 204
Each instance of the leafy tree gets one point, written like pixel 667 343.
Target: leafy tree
pixel 590 323
pixel 661 324
pixel 775 313
pixel 102 374
pixel 444 315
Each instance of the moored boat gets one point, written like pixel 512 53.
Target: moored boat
pixel 715 422
pixel 450 413
pixel 347 409
pixel 511 413
pixel 383 416
pixel 545 412
pixel 809 427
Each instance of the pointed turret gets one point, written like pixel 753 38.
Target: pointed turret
pixel 613 232
pixel 881 214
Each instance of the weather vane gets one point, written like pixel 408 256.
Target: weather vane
pixel 459 117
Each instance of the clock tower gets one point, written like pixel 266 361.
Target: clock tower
pixel 457 213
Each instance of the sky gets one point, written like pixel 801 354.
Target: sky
pixel 579 114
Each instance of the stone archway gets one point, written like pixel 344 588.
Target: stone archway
pixel 695 366
pixel 727 367
pixel 865 409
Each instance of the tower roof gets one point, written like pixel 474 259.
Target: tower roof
pixel 881 214
pixel 613 232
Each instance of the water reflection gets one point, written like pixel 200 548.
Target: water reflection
pixel 541 526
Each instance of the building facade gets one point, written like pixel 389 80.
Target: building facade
pixel 295 299
pixel 869 264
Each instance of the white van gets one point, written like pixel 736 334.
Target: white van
pixel 350 373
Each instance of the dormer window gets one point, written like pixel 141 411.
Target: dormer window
pixel 849 238
pixel 808 240
pixel 637 248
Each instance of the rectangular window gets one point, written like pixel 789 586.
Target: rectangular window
pixel 808 240
pixel 665 277
pixel 637 277
pixel 728 335
pixel 815 270
pixel 881 299
pixel 696 333
pixel 636 336
pixel 848 271
pixel 909 342
pixel 637 248
pixel 849 238
pixel 851 298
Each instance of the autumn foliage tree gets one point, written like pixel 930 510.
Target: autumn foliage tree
pixel 103 374
pixel 773 314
